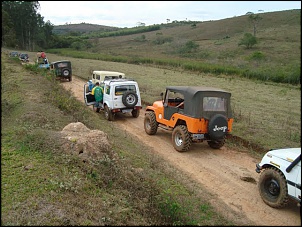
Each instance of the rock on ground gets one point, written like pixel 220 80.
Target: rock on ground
pixel 86 143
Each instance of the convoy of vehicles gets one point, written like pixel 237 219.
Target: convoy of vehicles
pixel 193 114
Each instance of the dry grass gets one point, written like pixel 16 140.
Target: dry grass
pixel 279 35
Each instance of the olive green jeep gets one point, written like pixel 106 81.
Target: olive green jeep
pixel 62 69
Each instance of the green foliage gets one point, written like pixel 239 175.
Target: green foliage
pixel 77 45
pixel 273 74
pixel 24 24
pixel 189 47
pixel 258 56
pixel 141 38
pixel 161 40
pixel 248 40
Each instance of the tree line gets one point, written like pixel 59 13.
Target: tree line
pixel 23 27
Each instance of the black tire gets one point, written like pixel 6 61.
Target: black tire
pixel 70 78
pixel 108 114
pixel 135 113
pixel 98 109
pixel 218 127
pixel 273 188
pixel 66 73
pixel 181 138
pixel 130 99
pixel 216 144
pixel 150 123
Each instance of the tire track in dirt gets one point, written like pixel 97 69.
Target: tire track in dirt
pixel 218 171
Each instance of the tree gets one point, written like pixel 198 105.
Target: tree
pixel 248 41
pixel 8 33
pixel 254 19
pixel 25 23
pixel 140 24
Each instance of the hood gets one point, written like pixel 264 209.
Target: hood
pixel 287 154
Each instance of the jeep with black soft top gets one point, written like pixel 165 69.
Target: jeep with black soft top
pixel 61 69
pixel 193 114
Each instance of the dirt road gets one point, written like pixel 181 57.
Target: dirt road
pixel 221 172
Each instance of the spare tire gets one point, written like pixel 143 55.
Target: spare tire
pixel 66 72
pixel 218 127
pixel 130 99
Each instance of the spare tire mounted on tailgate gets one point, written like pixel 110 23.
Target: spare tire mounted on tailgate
pixel 130 99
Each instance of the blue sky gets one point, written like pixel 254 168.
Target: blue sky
pixel 131 13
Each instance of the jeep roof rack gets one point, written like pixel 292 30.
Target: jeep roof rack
pixel 119 80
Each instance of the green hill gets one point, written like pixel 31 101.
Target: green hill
pixel 211 46
pixel 81 28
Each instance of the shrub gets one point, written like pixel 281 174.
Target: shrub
pixel 248 41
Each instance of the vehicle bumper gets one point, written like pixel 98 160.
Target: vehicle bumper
pixel 126 110
pixel 258 168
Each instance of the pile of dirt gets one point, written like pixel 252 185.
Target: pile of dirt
pixel 80 140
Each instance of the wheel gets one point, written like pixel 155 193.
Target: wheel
pixel 108 114
pixel 98 109
pixel 65 72
pixel 181 138
pixel 130 99
pixel 216 144
pixel 150 123
pixel 70 78
pixel 218 127
pixel 273 188
pixel 135 113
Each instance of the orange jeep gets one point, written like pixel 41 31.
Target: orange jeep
pixel 193 114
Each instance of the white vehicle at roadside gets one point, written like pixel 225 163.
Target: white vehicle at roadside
pixel 120 95
pixel 280 178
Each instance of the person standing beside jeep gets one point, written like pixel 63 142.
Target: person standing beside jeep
pixel 97 91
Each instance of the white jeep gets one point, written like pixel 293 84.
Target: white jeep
pixel 120 95
pixel 101 76
pixel 280 177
